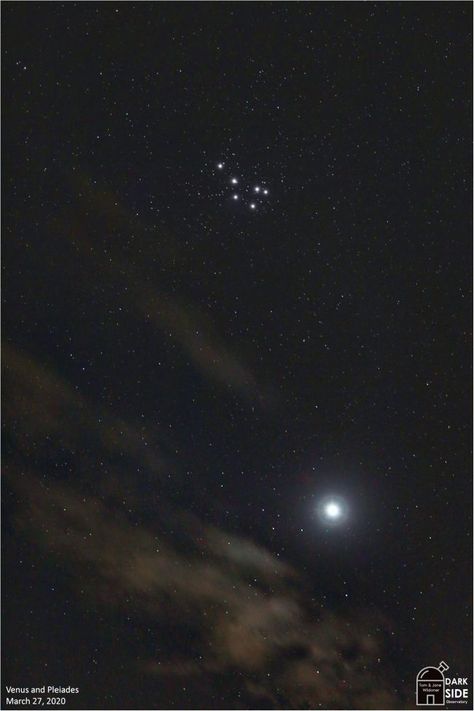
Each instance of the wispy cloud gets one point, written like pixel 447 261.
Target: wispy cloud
pixel 248 611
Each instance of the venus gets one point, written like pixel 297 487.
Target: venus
pixel 332 510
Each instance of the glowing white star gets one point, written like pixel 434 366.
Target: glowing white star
pixel 265 192
pixel 257 188
pixel 332 510
pixel 234 181
pixel 220 165
pixel 235 196
pixel 252 206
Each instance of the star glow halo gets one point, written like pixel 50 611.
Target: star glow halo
pixel 332 510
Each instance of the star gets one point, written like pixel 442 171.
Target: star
pixel 220 166
pixel 257 188
pixel 332 510
pixel 253 206
pixel 235 196
pixel 265 192
pixel 234 181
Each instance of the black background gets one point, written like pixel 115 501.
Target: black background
pixel 342 303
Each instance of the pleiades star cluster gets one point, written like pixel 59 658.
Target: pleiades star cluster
pixel 236 352
pixel 253 196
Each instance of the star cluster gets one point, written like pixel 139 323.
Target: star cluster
pixel 252 195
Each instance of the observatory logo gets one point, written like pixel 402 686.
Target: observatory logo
pixel 433 688
pixel 430 686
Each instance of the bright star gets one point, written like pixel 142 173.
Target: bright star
pixel 265 192
pixel 252 206
pixel 235 197
pixel 332 510
pixel 220 165
pixel 234 181
pixel 257 189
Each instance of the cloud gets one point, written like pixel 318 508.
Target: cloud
pixel 248 616
pixel 93 225
pixel 194 331
pixel 248 613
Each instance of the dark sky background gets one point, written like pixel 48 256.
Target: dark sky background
pixel 187 378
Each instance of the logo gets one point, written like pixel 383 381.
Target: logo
pixel 430 686
pixel 434 689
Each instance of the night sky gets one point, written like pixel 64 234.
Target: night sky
pixel 237 430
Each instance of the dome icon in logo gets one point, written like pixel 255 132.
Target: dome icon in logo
pixel 430 685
